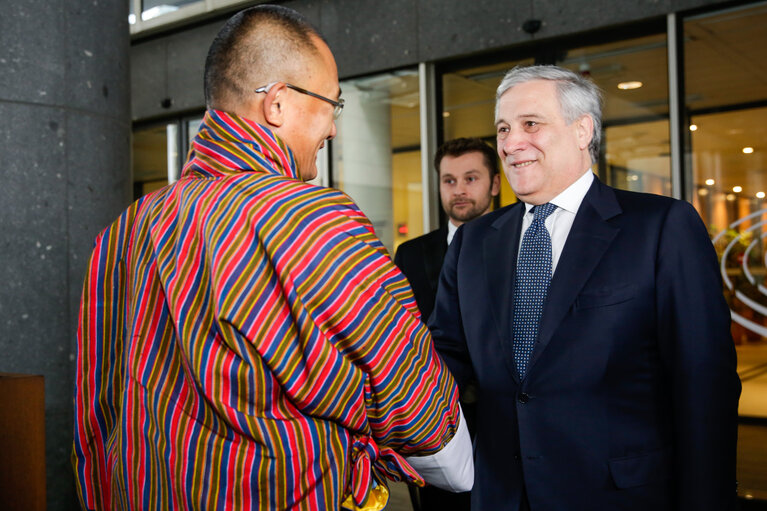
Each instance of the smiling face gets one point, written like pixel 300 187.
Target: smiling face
pixel 541 153
pixel 466 187
pixel 309 122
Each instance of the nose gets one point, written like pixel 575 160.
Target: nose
pixel 512 142
pixel 333 131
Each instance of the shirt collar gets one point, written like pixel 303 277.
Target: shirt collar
pixel 227 143
pixel 451 228
pixel 571 197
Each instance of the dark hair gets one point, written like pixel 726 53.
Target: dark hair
pixel 461 146
pixel 265 43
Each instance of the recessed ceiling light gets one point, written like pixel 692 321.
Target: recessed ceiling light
pixel 702 191
pixel 730 197
pixel 737 189
pixel 629 85
pixel 748 150
pixel 446 114
pixel 760 195
pixel 693 127
pixel 710 182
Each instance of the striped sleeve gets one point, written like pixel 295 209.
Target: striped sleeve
pixel 349 347
pixel 98 378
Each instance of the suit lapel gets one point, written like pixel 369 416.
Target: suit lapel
pixel 589 238
pixel 433 256
pixel 500 262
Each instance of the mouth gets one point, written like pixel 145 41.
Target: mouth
pixel 521 164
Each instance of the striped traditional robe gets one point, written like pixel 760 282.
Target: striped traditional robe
pixel 245 342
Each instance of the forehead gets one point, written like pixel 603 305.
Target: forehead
pixel 467 162
pixel 325 61
pixel 536 97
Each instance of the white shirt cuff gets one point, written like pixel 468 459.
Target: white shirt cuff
pixel 452 468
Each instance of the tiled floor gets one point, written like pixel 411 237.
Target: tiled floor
pixel 752 367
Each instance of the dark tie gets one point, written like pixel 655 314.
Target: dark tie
pixel 531 285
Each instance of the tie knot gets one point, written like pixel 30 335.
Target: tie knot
pixel 543 211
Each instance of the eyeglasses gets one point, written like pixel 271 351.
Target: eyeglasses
pixel 338 106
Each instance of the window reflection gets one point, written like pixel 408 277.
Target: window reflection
pixel 469 107
pixel 376 154
pixel 633 77
pixel 726 100
pixel 152 153
pixel 154 8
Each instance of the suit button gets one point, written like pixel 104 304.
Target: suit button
pixel 524 398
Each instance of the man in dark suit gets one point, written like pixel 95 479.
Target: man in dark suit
pixel 469 178
pixel 593 322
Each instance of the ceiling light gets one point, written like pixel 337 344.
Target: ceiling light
pixel 710 182
pixel 445 114
pixel 702 191
pixel 737 189
pixel 748 150
pixel 693 127
pixel 730 197
pixel 760 195
pixel 629 85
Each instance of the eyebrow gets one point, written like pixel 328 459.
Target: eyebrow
pixel 521 116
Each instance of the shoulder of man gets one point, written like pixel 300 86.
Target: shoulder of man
pixel 496 217
pixel 414 243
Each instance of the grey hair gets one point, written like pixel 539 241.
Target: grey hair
pixel 578 96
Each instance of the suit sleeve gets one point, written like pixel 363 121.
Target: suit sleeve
pixel 445 322
pixel 699 360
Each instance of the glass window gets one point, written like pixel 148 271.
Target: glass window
pixel 726 99
pixel 154 153
pixel 376 154
pixel 154 8
pixel 469 107
pixel 633 75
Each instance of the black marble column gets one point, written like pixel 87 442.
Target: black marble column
pixel 65 174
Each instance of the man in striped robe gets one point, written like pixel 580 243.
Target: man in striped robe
pixel 245 341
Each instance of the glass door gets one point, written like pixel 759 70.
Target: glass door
pixel 725 78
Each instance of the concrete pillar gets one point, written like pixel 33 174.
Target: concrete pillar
pixel 362 156
pixel 65 160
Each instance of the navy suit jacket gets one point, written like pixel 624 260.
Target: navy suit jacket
pixel 630 397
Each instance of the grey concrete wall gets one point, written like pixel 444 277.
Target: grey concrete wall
pixel 369 36
pixel 65 157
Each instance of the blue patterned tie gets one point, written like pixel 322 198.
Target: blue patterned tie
pixel 532 285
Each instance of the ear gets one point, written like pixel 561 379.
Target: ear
pixel 273 106
pixel 495 188
pixel 585 131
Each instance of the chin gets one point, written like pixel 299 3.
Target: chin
pixel 308 176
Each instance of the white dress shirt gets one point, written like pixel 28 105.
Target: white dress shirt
pixel 561 220
pixel 451 228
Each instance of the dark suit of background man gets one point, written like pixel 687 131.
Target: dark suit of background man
pixel 629 398
pixel 468 180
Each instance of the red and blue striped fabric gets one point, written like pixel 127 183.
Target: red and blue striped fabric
pixel 245 342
